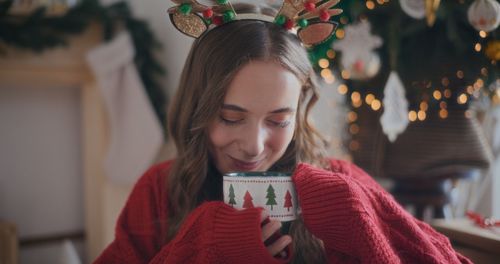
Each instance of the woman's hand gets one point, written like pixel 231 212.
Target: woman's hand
pixel 269 231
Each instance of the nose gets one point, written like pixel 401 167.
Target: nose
pixel 253 140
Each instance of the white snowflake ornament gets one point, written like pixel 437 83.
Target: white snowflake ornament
pixel 394 120
pixel 357 48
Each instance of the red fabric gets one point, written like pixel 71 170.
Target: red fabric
pixel 356 219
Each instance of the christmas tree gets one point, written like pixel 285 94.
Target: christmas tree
pixel 247 200
pixel 232 201
pixel 442 51
pixel 288 200
pixel 271 197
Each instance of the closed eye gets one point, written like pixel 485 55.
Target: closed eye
pixel 230 122
pixel 280 124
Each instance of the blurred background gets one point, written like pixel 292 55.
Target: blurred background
pixel 410 92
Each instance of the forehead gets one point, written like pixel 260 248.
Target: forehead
pixel 264 85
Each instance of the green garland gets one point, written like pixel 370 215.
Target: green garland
pixel 38 32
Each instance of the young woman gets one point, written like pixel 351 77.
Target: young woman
pixel 242 105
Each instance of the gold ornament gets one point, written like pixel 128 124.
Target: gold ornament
pixel 492 50
pixel 431 6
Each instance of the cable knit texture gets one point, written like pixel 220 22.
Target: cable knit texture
pixel 357 220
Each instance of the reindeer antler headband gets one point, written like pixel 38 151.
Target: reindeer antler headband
pixel 311 17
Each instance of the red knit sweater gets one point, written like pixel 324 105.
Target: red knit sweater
pixel 355 218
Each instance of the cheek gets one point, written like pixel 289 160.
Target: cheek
pixel 219 136
pixel 281 140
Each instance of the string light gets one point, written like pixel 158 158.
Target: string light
pixel 325 73
pixel 342 89
pixel 330 54
pixel 376 104
pixel 340 33
pixel 478 47
pixel 421 115
pixel 462 99
pixel 345 74
pixel 352 116
pixel 356 99
pixel 437 94
pixel 354 129
pixel 483 34
pixel 443 105
pixel 370 4
pixel 470 89
pixel 369 99
pixel 323 63
pixel 354 145
pixel 424 106
pixel 412 116
pixel 443 113
pixel 355 96
pixel 357 104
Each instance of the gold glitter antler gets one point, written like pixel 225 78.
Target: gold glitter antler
pixel 185 16
pixel 304 13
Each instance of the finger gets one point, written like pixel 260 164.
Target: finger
pixel 269 229
pixel 263 215
pixel 279 245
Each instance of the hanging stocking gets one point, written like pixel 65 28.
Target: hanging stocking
pixel 136 135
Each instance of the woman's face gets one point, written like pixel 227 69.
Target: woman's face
pixel 257 120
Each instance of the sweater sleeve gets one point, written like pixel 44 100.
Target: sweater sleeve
pixel 212 233
pixel 358 221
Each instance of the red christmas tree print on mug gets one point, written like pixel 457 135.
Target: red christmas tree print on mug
pixel 247 200
pixel 288 200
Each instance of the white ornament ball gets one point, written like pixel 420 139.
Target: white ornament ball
pixel 484 15
pixel 363 68
pixel 413 8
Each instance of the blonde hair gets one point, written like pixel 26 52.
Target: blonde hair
pixel 212 63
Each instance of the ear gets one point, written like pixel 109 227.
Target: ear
pixel 192 24
pixel 317 33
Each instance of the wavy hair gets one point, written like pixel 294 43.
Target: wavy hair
pixel 212 63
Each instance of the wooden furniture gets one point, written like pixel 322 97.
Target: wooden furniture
pixel 9 252
pixel 479 244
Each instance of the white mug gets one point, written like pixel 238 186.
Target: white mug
pixel 273 191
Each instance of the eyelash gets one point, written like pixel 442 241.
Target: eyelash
pixel 282 124
pixel 229 122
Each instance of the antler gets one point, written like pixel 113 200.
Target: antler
pixel 307 9
pixel 185 16
pixel 197 7
pixel 323 9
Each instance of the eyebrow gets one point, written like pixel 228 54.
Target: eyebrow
pixel 243 110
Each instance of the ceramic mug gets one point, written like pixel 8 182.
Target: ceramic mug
pixel 273 191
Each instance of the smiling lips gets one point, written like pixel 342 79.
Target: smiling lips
pixel 239 165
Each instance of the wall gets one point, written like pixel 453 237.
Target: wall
pixel 40 171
